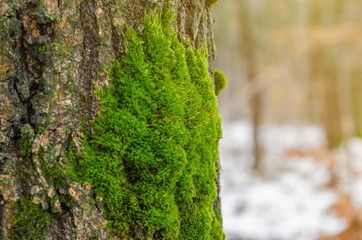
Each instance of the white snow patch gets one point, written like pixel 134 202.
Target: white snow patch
pixel 291 203
pixel 349 169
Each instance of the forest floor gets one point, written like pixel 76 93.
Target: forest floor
pixel 304 191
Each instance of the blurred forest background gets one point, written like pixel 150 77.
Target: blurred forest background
pixel 294 62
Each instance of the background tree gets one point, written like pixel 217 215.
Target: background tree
pixel 307 54
pixel 249 48
pixel 53 55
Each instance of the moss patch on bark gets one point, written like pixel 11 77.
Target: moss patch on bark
pixel 153 150
pixel 30 220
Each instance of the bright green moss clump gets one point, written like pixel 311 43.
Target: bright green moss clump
pixel 154 147
pixel 220 81
pixel 210 2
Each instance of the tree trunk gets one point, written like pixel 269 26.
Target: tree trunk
pixel 53 54
pixel 249 45
pixel 324 74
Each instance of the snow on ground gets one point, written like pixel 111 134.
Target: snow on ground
pixel 290 202
pixel 349 169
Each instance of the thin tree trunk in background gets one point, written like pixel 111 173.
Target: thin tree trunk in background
pixel 248 50
pixel 356 102
pixel 52 54
pixel 346 96
pixel 324 74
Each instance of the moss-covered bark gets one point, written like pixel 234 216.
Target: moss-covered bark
pixel 53 53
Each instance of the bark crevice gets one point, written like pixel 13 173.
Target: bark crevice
pixel 90 58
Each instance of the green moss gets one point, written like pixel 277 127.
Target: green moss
pixel 154 145
pixel 26 142
pixel 30 221
pixel 220 81
pixel 44 48
pixel 56 171
pixel 210 2
pixel 41 129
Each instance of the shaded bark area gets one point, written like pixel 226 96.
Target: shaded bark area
pixel 89 65
pixel 53 53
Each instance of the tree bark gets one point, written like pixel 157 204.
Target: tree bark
pixel 53 53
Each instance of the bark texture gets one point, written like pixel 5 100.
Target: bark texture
pixel 53 53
